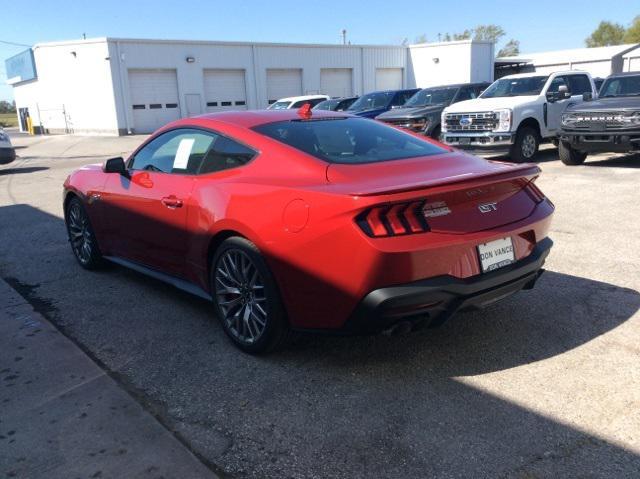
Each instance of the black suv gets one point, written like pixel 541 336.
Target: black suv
pixel 421 113
pixel 610 123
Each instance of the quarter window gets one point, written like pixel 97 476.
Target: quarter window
pixel 224 154
pixel 177 151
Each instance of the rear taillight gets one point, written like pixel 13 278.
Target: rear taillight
pixel 534 192
pixel 393 220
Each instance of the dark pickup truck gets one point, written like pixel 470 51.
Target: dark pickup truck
pixel 610 123
pixel 422 112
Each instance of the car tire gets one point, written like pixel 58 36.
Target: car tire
pixel 246 297
pixel 526 145
pixel 81 236
pixel 569 156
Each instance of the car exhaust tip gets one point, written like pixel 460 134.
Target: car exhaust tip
pixel 402 327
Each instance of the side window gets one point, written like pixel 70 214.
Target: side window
pixel 401 98
pixel 478 89
pixel 177 151
pixel 299 104
pixel 579 84
pixel 555 84
pixel 466 93
pixel 224 154
pixel 315 101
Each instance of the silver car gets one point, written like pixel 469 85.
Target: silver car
pixel 7 153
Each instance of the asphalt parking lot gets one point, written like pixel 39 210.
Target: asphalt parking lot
pixel 543 384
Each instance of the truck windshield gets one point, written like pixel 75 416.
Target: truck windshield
pixel 279 105
pixel 525 86
pixel 621 86
pixel 371 101
pixel 431 96
pixel 348 140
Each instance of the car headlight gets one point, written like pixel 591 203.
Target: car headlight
pixel 568 119
pixel 4 136
pixel 419 123
pixel 635 118
pixel 504 120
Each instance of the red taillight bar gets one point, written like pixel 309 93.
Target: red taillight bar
pixel 393 220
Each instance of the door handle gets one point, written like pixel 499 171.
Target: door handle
pixel 171 202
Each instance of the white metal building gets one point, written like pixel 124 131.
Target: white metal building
pixel 599 62
pixel 118 86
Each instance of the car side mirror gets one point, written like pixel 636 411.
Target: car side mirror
pixel 552 96
pixel 587 96
pixel 563 92
pixel 115 165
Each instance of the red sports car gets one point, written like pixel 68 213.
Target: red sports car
pixel 298 220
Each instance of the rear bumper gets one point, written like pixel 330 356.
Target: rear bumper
pixel 593 142
pixel 481 143
pixel 7 155
pixel 437 299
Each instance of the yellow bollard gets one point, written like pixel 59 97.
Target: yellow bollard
pixel 29 125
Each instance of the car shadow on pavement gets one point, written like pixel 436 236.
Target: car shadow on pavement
pixel 17 171
pixel 630 160
pixel 372 406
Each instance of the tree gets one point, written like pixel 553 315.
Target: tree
pixel 632 35
pixel 491 33
pixel 466 35
pixel 7 107
pixel 511 49
pixel 607 33
pixel 421 39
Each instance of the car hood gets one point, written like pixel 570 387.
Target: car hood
pixel 614 103
pixel 368 113
pixel 415 112
pixel 489 104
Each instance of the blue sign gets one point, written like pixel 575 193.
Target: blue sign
pixel 20 67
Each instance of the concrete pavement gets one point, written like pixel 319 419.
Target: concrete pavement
pixel 62 416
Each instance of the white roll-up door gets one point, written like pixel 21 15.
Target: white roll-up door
pixel 154 98
pixel 225 90
pixel 283 83
pixel 336 81
pixel 388 78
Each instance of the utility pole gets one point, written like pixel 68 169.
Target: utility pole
pixel 84 36
pixel 344 36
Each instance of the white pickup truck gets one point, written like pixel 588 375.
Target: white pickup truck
pixel 515 113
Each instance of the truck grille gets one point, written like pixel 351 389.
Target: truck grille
pixel 457 122
pixel 594 120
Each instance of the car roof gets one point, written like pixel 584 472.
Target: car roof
pixel 303 97
pixel 624 74
pixel 391 91
pixel 251 118
pixel 540 74
pixel 457 85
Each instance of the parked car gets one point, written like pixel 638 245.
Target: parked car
pixel 610 123
pixel 7 152
pixel 515 113
pixel 423 111
pixel 377 102
pixel 342 224
pixel 336 104
pixel 296 102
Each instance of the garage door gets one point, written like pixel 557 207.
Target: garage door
pixel 336 81
pixel 283 83
pixel 225 90
pixel 388 78
pixel 154 98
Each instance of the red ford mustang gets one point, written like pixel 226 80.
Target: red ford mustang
pixel 315 221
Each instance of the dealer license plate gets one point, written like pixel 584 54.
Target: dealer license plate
pixel 496 254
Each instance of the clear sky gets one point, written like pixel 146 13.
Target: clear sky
pixel 538 24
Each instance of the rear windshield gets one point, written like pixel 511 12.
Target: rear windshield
pixel 348 140
pixel 279 105
pixel 326 105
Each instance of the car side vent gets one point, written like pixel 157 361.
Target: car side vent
pixel 393 220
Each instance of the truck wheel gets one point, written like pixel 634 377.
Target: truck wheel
pixel 526 145
pixel 569 156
